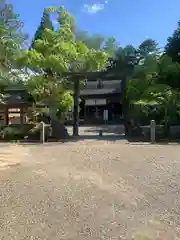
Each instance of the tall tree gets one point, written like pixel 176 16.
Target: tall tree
pixel 94 41
pixel 45 23
pixel 111 46
pixel 11 39
pixel 128 57
pixel 172 48
pixel 153 90
pixel 124 61
pixel 97 41
pixel 169 72
pixel 60 52
pixel 148 47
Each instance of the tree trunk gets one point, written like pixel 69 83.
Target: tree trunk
pixel 59 131
pixel 76 107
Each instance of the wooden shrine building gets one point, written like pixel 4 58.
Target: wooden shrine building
pixel 100 96
pixel 14 106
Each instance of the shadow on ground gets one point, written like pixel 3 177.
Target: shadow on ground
pixel 105 129
pixel 97 138
pixel 137 141
pixel 108 138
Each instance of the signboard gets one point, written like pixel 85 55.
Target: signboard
pixel 100 101
pixel 95 102
pixel 90 102
pixel 14 110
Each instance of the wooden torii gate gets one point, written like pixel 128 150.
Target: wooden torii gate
pixel 77 77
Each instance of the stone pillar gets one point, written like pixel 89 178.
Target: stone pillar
pixel 153 131
pixel 42 132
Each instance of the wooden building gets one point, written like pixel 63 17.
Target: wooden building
pixel 101 100
pixel 14 106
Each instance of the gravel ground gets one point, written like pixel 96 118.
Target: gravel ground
pixel 92 190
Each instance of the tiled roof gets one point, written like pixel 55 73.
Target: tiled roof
pixel 15 96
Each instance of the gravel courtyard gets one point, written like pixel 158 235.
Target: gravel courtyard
pixel 91 190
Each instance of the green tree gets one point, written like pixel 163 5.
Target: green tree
pixel 111 46
pixel 11 41
pixel 169 72
pixel 144 76
pixel 66 102
pixel 172 48
pixel 97 42
pixel 148 47
pixel 124 62
pixel 45 23
pixel 60 52
pixel 153 91
pixel 128 57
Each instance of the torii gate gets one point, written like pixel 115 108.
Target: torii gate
pixel 77 77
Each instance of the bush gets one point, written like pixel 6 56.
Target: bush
pixel 142 133
pixel 34 132
pixel 21 132
pixel 10 133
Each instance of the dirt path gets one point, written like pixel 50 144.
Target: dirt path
pixel 92 190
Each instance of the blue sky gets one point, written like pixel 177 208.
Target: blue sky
pixel 129 21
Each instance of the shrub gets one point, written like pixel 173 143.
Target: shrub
pixel 10 133
pixel 33 132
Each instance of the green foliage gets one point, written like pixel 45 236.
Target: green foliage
pixel 111 46
pixel 66 101
pixel 11 37
pixel 129 58
pixel 45 23
pixel 172 48
pixel 152 79
pixel 169 72
pixel 154 90
pixel 127 51
pixel 147 71
pixel 10 133
pixel 59 52
pixel 98 42
pixel 148 47
pixel 11 42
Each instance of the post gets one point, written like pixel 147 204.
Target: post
pixel 42 132
pixel 76 107
pixel 105 116
pixel 21 116
pixel 153 131
pixel 125 104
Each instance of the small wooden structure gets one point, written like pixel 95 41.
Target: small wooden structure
pixel 14 105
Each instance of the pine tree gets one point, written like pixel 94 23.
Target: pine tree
pixel 172 48
pixel 11 40
pixel 148 47
pixel 45 23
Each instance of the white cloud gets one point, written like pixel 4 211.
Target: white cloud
pixel 94 8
